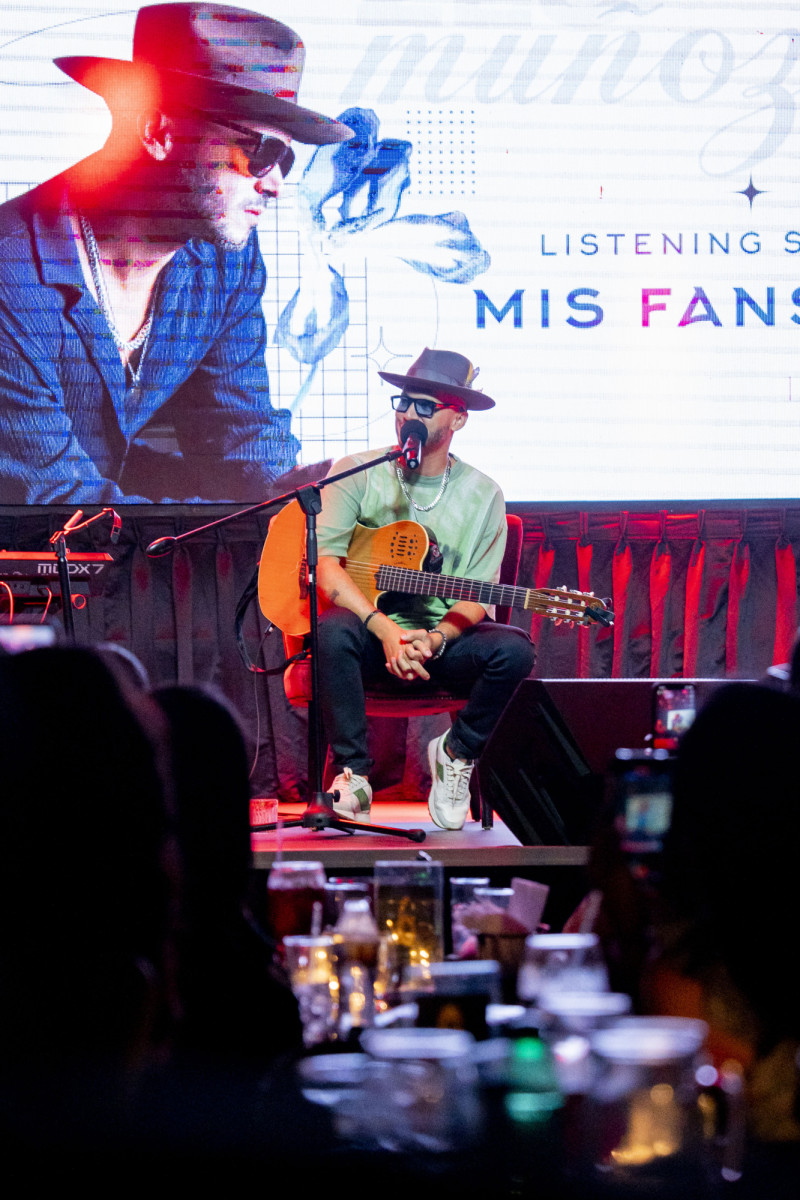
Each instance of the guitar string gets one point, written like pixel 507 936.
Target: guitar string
pixel 423 582
pixel 416 582
pixel 409 579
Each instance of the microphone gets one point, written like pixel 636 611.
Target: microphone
pixel 70 525
pixel 160 547
pixel 116 524
pixel 413 436
pixel 73 521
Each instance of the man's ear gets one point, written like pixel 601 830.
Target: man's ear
pixel 460 419
pixel 157 134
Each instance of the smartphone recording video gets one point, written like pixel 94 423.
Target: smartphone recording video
pixel 643 786
pixel 674 709
pixel 16 638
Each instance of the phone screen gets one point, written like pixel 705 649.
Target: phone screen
pixel 643 800
pixel 674 709
pixel 15 638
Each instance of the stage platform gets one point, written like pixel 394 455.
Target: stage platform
pixel 472 847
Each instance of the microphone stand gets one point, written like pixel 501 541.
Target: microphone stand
pixel 58 541
pixel 319 813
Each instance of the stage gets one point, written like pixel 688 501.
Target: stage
pixel 472 848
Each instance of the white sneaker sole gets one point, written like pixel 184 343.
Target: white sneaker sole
pixel 451 828
pixel 351 815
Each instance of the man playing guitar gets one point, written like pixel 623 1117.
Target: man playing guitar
pixel 412 639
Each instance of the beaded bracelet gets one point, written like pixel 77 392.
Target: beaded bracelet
pixel 443 646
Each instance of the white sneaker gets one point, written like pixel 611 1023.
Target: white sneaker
pixel 355 795
pixel 448 802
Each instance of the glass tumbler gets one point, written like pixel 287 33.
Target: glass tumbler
pixel 293 888
pixel 561 962
pixel 408 909
pixel 421 1089
pixel 311 963
pixel 568 1020
pixel 462 889
pixel 641 1128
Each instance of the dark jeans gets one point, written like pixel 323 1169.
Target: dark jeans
pixel 486 663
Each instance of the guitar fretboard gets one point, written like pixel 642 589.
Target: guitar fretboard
pixel 556 603
pixel 426 583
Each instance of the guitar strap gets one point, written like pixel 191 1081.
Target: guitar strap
pixel 245 600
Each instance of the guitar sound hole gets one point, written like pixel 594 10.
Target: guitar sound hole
pixel 403 545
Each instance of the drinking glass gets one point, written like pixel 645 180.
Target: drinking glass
pixel 568 1020
pixel 310 962
pixel 461 995
pixel 561 962
pixel 461 892
pixel 332 1079
pixel 293 888
pixel 357 944
pixel 421 1089
pixel 338 892
pixel 641 1126
pixel 262 811
pixel 494 897
pixel 408 909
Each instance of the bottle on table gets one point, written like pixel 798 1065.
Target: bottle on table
pixel 356 941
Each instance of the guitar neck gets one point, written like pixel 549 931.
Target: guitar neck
pixel 450 587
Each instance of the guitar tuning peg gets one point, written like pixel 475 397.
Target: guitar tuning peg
pixel 591 593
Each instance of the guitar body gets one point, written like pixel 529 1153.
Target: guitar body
pixel 402 544
pixel 282 583
pixel 282 572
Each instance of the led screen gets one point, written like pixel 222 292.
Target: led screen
pixel 593 201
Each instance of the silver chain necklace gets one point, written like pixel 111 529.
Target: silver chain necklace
pixel 439 494
pixel 98 278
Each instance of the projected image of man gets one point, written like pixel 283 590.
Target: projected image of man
pixel 132 334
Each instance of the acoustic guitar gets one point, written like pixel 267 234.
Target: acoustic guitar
pixel 393 558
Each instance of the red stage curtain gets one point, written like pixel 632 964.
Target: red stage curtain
pixel 660 571
pixel 696 592
pixel 737 586
pixel 709 592
pixel 620 577
pixel 583 554
pixel 786 607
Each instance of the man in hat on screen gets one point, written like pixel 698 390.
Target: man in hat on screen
pixel 131 285
pixel 413 639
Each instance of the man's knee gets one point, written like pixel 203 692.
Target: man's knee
pixel 340 631
pixel 514 651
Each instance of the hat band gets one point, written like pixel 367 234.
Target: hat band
pixel 427 376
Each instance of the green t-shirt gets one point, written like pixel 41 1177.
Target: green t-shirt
pixel 468 524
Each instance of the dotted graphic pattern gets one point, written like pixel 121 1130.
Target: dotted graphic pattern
pixel 443 162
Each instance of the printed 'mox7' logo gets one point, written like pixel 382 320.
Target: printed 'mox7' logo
pixel 75 568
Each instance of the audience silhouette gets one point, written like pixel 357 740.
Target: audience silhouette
pixel 142 1016
pixel 729 886
pixel 86 896
pixel 236 1003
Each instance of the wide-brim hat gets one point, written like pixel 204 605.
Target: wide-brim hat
pixel 227 60
pixel 442 374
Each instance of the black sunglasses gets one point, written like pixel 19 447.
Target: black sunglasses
pixel 269 151
pixel 424 408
